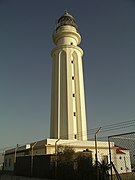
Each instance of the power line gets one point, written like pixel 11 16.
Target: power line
pixel 111 127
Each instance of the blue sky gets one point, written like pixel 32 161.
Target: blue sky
pixel 108 41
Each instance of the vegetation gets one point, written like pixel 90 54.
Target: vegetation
pixel 103 168
pixel 65 163
pixel 78 166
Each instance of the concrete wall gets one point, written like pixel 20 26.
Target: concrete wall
pixel 9 177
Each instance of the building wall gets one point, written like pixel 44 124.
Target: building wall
pixel 39 151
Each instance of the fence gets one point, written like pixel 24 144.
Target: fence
pixel 41 166
pixel 122 156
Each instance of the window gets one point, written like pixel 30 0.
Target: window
pixel 26 152
pixel 73 95
pixel 120 157
pixel 72 61
pixel 105 158
pixel 71 43
pixel 74 113
pixel 73 78
pixel 121 168
pixel 75 136
pixel 9 162
pixel 5 162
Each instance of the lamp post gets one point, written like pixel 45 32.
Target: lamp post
pixel 32 152
pixel 56 157
pixel 15 153
pixel 96 151
pixel 56 146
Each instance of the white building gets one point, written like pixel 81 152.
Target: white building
pixel 12 154
pixel 120 156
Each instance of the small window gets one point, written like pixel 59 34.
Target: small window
pixel 71 43
pixel 73 95
pixel 72 62
pixel 121 168
pixel 74 113
pixel 75 136
pixel 120 157
pixel 73 78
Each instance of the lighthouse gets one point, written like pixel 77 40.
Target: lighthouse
pixel 68 113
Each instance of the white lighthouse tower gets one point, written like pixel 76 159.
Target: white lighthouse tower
pixel 68 113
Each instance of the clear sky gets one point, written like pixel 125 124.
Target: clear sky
pixel 107 28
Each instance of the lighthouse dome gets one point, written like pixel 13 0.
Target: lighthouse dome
pixel 66 19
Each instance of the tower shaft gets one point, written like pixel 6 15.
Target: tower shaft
pixel 68 116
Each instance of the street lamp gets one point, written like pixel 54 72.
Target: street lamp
pixel 96 150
